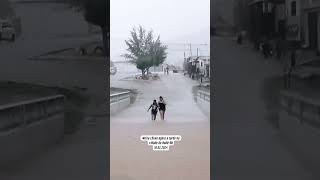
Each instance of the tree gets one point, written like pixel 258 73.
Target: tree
pixel 144 51
pixel 6 9
pixel 96 12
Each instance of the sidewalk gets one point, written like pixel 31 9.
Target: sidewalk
pixel 302 55
pixel 81 156
pixel 246 146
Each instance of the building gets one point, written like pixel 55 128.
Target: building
pixel 267 19
pixel 309 20
pixel 242 15
pixel 293 20
pixel 302 20
pixel 222 16
pixel 7 12
pixel 296 21
pixel 197 65
pixel 204 66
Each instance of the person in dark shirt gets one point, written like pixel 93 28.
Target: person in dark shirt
pixel 290 67
pixel 162 107
pixel 154 110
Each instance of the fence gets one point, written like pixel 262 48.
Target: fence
pixel 29 127
pixel 299 123
pixel 302 108
pixel 204 95
pixel 203 99
pixel 24 113
pixel 119 101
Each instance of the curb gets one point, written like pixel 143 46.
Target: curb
pixel 67 58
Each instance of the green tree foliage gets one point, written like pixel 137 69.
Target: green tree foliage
pixel 144 50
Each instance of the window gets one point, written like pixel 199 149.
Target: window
pixel 293 8
pixel 267 7
pixel 6 25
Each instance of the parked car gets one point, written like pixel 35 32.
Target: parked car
pixel 92 48
pixel 306 70
pixel 7 31
pixel 113 69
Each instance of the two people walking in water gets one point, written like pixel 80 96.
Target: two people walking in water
pixel 155 106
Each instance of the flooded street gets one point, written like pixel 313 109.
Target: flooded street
pixel 246 146
pixel 132 159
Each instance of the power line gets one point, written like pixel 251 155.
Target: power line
pixel 180 50
pixel 203 44
pixel 188 44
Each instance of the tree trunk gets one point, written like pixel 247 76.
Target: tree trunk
pixel 105 38
pixel 144 76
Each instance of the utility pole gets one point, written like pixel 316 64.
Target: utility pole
pixel 184 51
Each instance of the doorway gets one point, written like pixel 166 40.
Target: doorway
pixel 313 29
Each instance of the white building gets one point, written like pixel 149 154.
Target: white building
pixel 204 65
pixel 198 64
pixel 294 20
pixel 303 22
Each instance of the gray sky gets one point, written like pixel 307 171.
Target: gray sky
pixel 176 21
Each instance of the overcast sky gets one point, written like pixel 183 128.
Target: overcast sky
pixel 176 21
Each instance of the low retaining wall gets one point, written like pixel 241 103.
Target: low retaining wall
pixel 30 126
pixel 299 122
pixel 119 102
pixel 203 100
pixel 17 25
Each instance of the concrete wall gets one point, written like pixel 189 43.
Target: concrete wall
pixel 34 125
pixel 299 124
pixel 119 106
pixel 203 100
pixel 119 102
pixel 18 143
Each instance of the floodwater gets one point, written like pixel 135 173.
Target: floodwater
pixel 132 159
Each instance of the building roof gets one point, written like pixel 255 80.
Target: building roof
pixel 195 58
pixel 271 1
pixel 198 57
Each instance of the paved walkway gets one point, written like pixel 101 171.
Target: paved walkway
pixel 81 156
pixel 132 159
pixel 245 145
